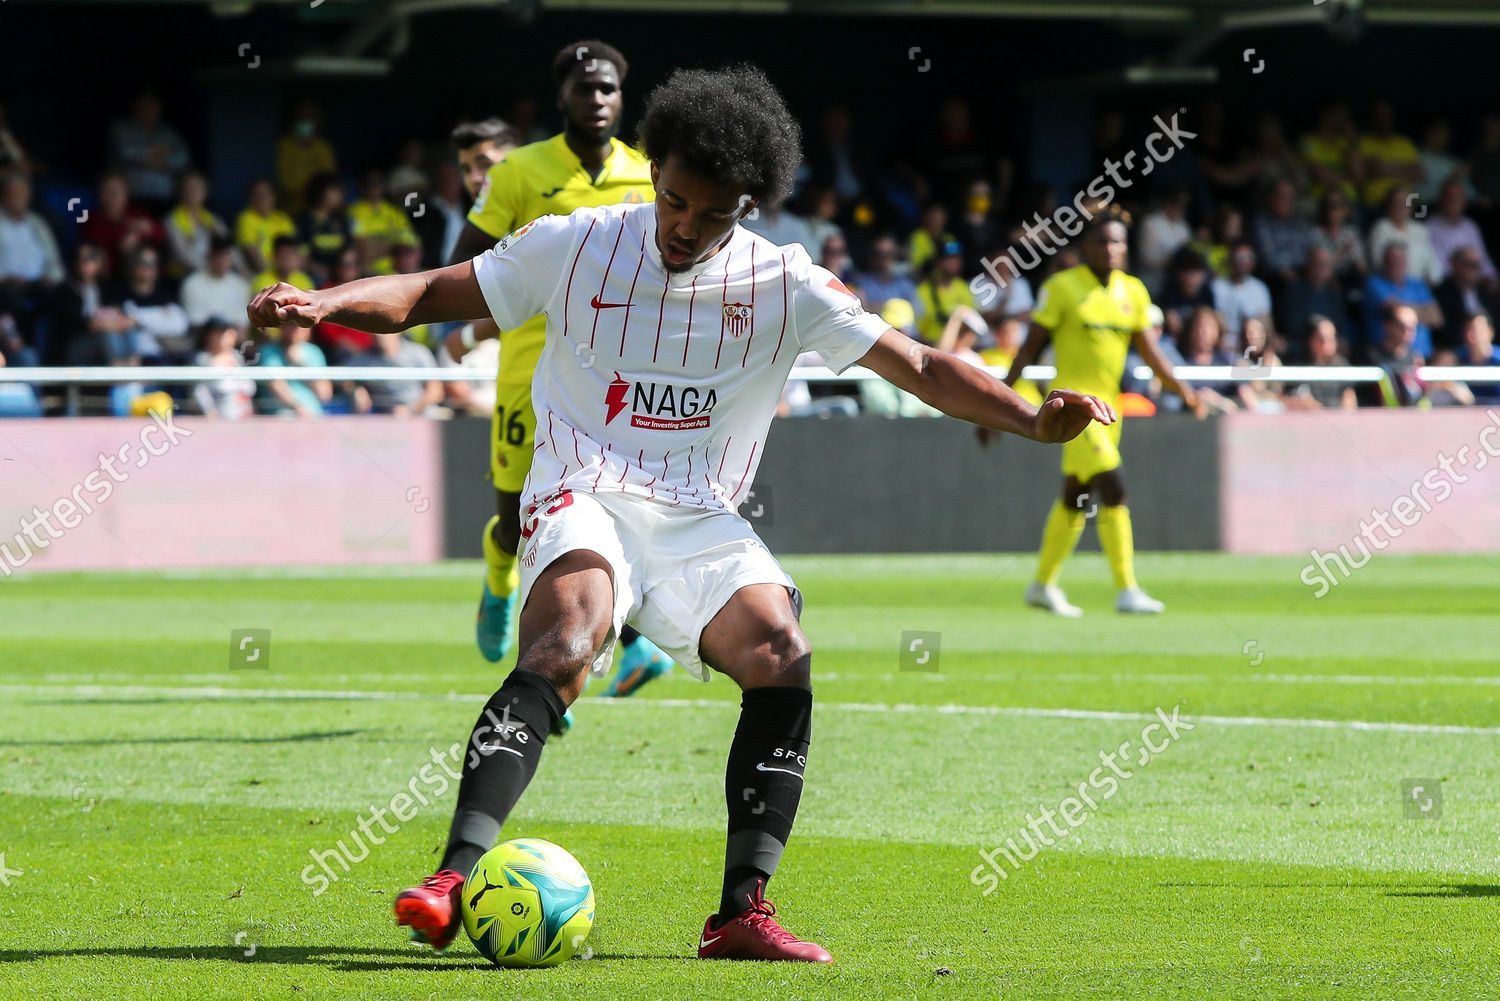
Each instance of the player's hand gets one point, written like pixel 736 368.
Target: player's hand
pixel 1192 401
pixel 1065 413
pixel 281 302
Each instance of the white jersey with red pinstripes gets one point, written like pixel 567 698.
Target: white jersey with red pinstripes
pixel 654 384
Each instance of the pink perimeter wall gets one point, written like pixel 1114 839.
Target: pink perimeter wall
pixel 333 491
pixel 1294 482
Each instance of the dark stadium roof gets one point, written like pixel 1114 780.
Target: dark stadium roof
pixel 1187 12
pixel 1190 14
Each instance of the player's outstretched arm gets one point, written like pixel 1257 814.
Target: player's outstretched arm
pixel 960 390
pixel 1037 337
pixel 1150 352
pixel 380 305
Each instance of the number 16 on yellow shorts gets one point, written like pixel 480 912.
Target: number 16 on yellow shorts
pixel 512 435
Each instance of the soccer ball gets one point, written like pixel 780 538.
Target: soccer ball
pixel 528 902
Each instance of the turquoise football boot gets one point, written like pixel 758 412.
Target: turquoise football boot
pixel 492 626
pixel 643 662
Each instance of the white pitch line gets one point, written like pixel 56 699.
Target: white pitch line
pixel 1101 714
pixel 295 694
pixel 1366 679
pixel 1171 679
pixel 922 677
pixel 211 692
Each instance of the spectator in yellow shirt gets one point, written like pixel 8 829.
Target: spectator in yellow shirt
pixel 260 224
pixel 1330 153
pixel 286 266
pixel 191 227
pixel 1226 229
pixel 942 291
pixel 301 155
pixel 1387 158
pixel 931 233
pixel 378 224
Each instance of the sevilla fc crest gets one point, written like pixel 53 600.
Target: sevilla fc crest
pixel 736 318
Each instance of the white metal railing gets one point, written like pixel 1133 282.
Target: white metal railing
pixel 189 374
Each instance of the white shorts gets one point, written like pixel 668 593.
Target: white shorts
pixel 674 567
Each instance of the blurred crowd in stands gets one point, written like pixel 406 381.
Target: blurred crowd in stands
pixel 1364 239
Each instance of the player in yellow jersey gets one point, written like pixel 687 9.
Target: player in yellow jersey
pixel 583 166
pixel 1094 314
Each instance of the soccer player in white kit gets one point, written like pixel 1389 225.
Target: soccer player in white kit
pixel 670 333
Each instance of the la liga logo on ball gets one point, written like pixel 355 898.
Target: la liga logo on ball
pixel 528 903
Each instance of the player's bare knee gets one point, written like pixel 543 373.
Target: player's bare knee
pixel 563 655
pixel 784 658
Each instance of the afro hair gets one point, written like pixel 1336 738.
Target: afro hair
pixel 730 125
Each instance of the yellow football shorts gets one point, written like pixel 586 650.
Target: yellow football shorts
pixel 1095 451
pixel 512 436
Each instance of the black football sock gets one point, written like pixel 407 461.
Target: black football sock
pixel 629 635
pixel 762 784
pixel 499 761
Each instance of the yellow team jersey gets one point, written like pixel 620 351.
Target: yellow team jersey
pixel 1321 151
pixel 921 248
pixel 1092 326
pixel 189 223
pixel 384 222
pixel 1216 254
pixel 1390 149
pixel 938 304
pixel 547 178
pixel 299 161
pixel 252 229
pixel 301 279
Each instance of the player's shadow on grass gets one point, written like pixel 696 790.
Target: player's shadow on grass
pixel 1467 890
pixel 290 738
pixel 1453 890
pixel 177 700
pixel 334 957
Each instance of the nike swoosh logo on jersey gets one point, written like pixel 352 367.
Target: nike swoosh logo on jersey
pixel 704 943
pixel 492 748
pixel 761 767
pixel 549 194
pixel 606 305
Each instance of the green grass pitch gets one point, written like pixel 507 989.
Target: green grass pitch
pixel 157 808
